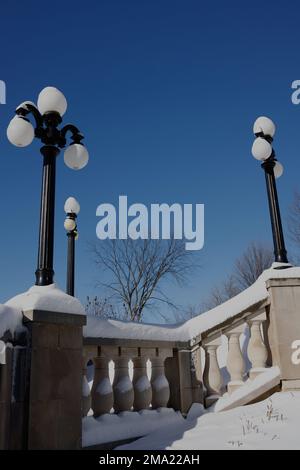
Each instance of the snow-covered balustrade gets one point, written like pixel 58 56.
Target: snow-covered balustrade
pixel 241 347
pixel 214 355
pixel 128 375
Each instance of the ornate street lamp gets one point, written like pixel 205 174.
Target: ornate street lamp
pixel 264 130
pixel 51 106
pixel 72 209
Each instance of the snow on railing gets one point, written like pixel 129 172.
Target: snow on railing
pixel 173 365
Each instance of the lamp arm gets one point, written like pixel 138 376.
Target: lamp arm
pixel 76 134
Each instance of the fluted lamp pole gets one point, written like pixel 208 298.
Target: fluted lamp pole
pixel 47 117
pixel 262 150
pixel 72 209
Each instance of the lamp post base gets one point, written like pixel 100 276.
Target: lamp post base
pixel 44 277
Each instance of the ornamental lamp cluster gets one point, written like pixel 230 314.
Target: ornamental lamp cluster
pixel 51 106
pixel 47 128
pixel 262 150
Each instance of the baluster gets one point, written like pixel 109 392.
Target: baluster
pixel 141 384
pixel 212 376
pixel 102 392
pixel 257 351
pixel 159 382
pixel 122 385
pixel 86 393
pixel 235 361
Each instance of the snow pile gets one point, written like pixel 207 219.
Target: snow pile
pixel 272 424
pixel 99 328
pixel 126 425
pixel 10 319
pixel 189 330
pixel 46 298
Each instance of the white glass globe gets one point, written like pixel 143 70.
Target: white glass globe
pixel 20 132
pixel 265 125
pixel 76 156
pixel 278 170
pixel 51 99
pixel 69 224
pixel 261 149
pixel 71 205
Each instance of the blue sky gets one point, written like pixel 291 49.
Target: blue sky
pixel 166 93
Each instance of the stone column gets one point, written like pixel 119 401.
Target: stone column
pixel 159 382
pixel 55 392
pixel 235 361
pixel 284 329
pixel 122 385
pixel 212 376
pixel 141 384
pixel 257 351
pixel 184 374
pixel 102 392
pixel 86 392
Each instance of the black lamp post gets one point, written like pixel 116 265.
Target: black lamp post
pixel 72 209
pixel 264 130
pixel 47 115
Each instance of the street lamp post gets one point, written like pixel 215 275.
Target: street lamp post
pixel 72 209
pixel 264 130
pixel 51 106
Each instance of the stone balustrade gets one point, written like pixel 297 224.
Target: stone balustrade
pixel 252 325
pixel 138 375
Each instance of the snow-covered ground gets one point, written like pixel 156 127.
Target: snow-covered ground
pixel 271 424
pixel 128 424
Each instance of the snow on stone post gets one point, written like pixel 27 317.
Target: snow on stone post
pixel 54 322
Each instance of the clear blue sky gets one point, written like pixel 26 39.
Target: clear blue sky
pixel 166 92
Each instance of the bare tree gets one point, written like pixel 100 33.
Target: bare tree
pixel 247 268
pixel 251 264
pixel 98 307
pixel 137 269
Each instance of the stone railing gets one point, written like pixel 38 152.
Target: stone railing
pixel 241 361
pixel 131 374
pixel 139 374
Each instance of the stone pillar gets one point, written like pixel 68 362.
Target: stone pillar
pixel 235 361
pixel 141 384
pixel 55 391
pixel 184 374
pixel 122 385
pixel 102 392
pixel 257 350
pixel 6 371
pixel 86 392
pixel 212 376
pixel 284 329
pixel 159 382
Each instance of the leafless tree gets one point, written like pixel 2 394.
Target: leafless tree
pixel 251 264
pixel 138 268
pixel 98 307
pixel 247 268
